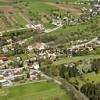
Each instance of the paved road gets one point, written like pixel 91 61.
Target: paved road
pixel 81 45
pixel 25 28
pixel 51 30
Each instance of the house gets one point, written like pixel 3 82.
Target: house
pixel 70 65
pixel 30 48
pixel 1 34
pixel 5 49
pixel 1 77
pixel 90 48
pixel 1 62
pixel 98 41
pixel 34 75
pixel 9 40
pixel 18 71
pixel 6 83
pixel 10 77
pixel 39 46
pixel 36 26
pixel 36 66
pixel 18 59
pixel 96 8
pixel 29 26
pixel 52 56
pixel 57 22
pixel 33 58
pixel 42 55
pixel 4 59
pixel 39 27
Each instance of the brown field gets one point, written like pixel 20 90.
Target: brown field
pixel 7 9
pixel 2 24
pixel 69 8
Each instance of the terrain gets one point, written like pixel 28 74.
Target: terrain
pixel 49 50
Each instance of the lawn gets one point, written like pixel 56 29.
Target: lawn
pixel 73 80
pixel 89 77
pixel 36 91
pixel 69 29
pixel 36 6
pixel 92 77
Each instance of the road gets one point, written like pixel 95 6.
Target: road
pixel 25 40
pixel 12 30
pixel 51 30
pixel 26 28
pixel 83 44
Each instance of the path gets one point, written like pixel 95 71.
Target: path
pixel 69 88
pixel 83 44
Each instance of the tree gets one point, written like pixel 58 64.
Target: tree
pixel 62 71
pixel 96 65
pixel 56 98
pixel 91 90
pixel 28 75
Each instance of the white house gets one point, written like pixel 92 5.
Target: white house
pixel 40 46
pixel 36 66
pixel 9 40
pixel 6 83
pixel 1 62
pixel 5 49
pixel 52 56
pixel 30 48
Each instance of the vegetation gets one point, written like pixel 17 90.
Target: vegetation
pixel 91 90
pixel 35 91
pixel 62 37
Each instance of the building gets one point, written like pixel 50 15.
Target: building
pixel 30 48
pixel 6 83
pixel 40 46
pixel 36 66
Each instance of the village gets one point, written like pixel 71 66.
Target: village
pixel 64 46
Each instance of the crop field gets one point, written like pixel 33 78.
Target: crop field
pixel 11 11
pixel 9 15
pixel 36 91
pixel 11 21
pixel 67 8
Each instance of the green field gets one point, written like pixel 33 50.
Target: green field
pixel 35 91
pixel 89 77
pixel 35 9
pixel 92 77
pixel 73 59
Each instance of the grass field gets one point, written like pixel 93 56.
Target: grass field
pixel 74 59
pixel 92 77
pixel 89 77
pixel 36 91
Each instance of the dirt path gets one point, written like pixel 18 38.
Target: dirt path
pixel 66 7
pixel 68 87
